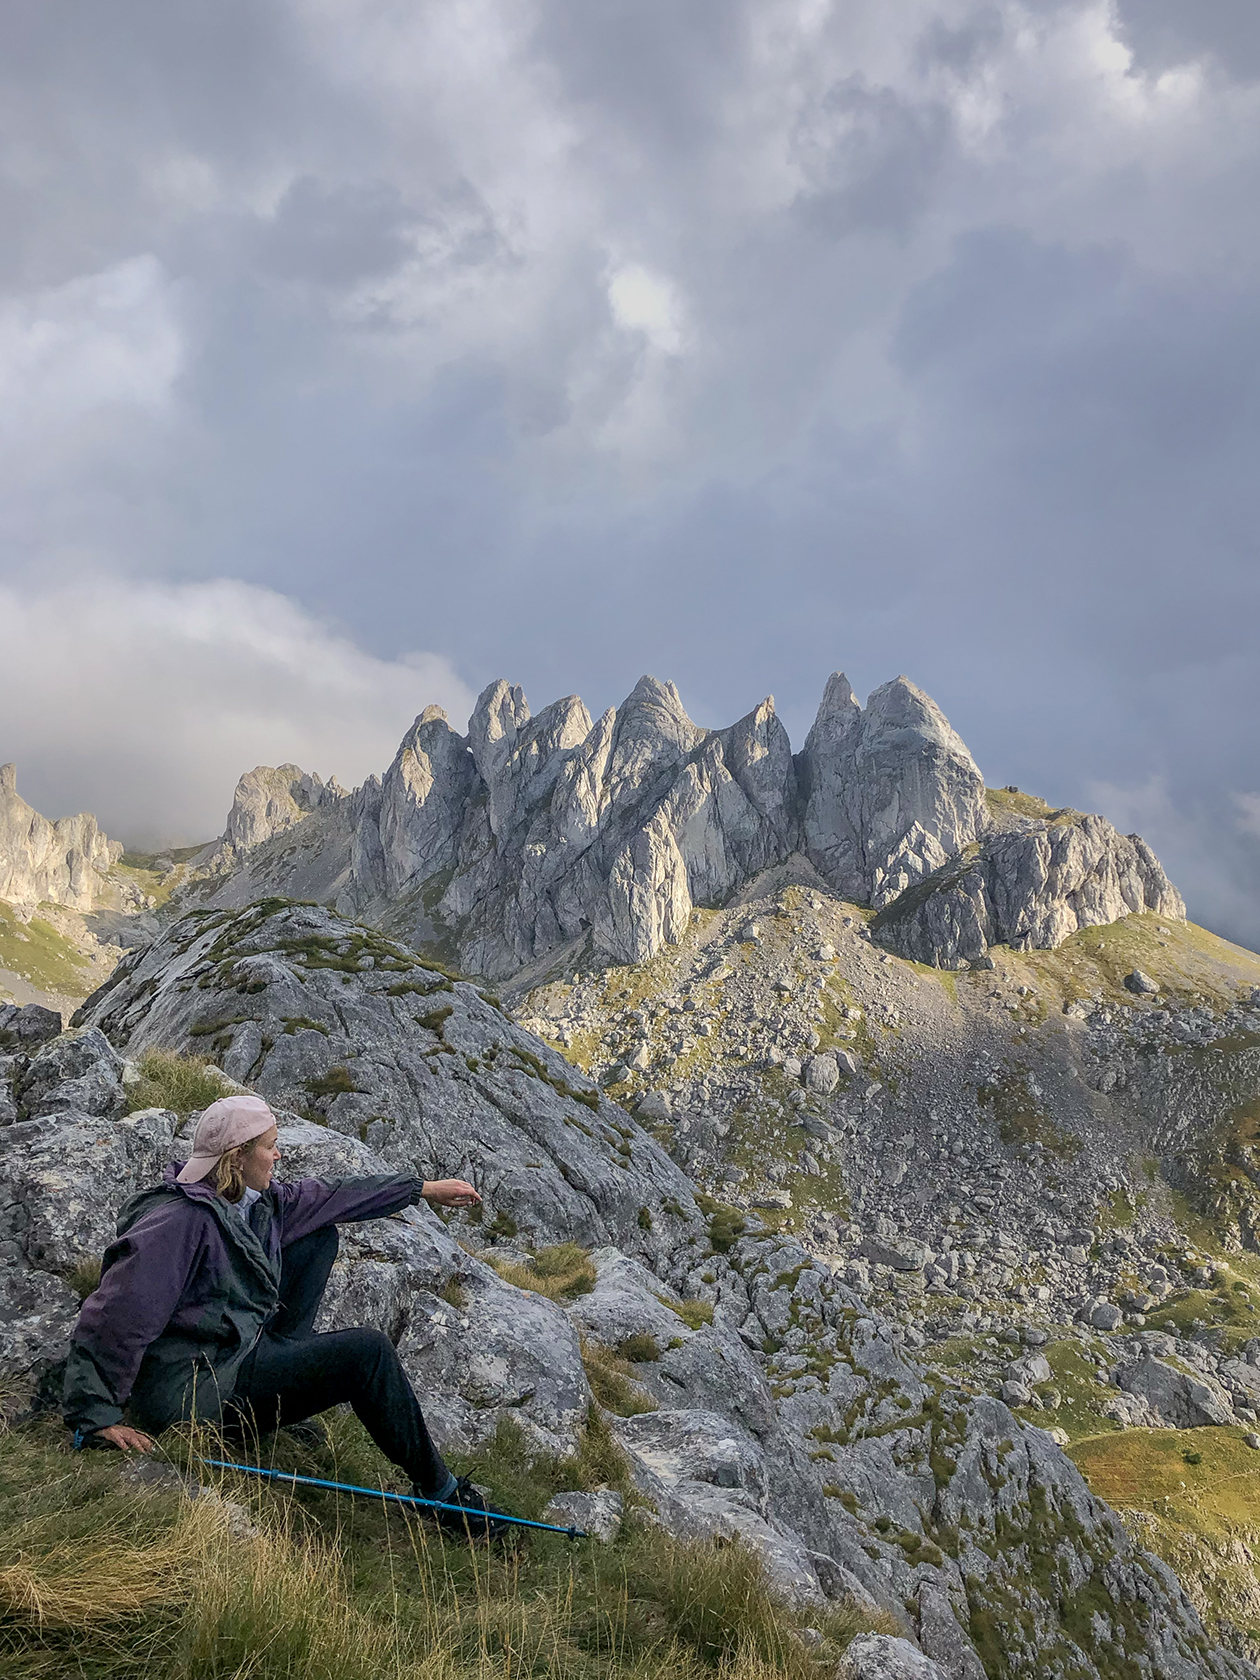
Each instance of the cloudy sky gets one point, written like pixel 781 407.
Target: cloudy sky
pixel 356 352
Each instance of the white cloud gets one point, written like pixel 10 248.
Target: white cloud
pixel 645 302
pixel 99 341
pixel 144 701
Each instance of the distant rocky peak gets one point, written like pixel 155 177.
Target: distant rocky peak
pixel 539 834
pixel 519 757
pixel 60 862
pixel 501 712
pixel 900 717
pixel 837 709
pixel 270 800
pixel 651 733
pixel 890 791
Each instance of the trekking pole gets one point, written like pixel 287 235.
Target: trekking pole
pixel 397 1498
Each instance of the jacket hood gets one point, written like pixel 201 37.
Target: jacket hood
pixel 239 1236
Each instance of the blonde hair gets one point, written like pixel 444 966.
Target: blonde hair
pixel 226 1175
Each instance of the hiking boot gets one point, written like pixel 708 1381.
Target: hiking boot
pixel 472 1521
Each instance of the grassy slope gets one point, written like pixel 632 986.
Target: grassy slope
pixel 111 1585
pixel 1193 1497
pixel 43 957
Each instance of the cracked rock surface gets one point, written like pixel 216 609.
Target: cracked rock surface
pixel 782 1404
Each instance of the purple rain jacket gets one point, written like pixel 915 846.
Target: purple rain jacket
pixel 187 1289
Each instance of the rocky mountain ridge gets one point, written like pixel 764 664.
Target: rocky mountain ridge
pixel 62 862
pixel 763 1395
pixel 555 839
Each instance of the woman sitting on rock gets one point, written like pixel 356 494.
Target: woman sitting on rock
pixel 208 1298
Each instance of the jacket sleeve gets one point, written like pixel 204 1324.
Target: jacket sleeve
pixel 306 1204
pixel 143 1276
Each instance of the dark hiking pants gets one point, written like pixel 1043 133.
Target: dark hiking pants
pixel 294 1373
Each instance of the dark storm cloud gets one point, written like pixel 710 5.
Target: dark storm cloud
pixel 733 342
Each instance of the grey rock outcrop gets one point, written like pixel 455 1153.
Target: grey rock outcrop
pixel 560 838
pixel 23 1028
pixel 79 1071
pixel 795 1420
pixel 268 801
pixel 61 862
pixel 1028 889
pixel 1176 1399
pixel 890 792
pixel 597 1514
pixel 879 1656
pixel 334 1021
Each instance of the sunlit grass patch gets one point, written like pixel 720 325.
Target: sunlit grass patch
pixel 1149 1467
pixel 1081 1395
pixel 42 956
pixel 561 1272
pixel 613 1381
pixel 169 1080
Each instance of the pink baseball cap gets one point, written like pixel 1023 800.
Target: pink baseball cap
pixel 225 1125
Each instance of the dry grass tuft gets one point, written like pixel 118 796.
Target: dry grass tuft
pixel 169 1080
pixel 613 1381
pixel 103 1581
pixel 560 1273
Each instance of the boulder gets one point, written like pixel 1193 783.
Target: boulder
pixel 23 1028
pixel 881 1656
pixel 903 1254
pixel 708 1479
pixel 1103 1315
pixel 598 1514
pixel 1033 1369
pixel 626 1301
pixel 822 1074
pixel 1176 1398
pixel 79 1071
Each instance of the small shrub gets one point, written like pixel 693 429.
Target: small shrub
pixel 84 1277
pixel 336 1082
pixel 182 1083
pixel 694 1314
pixel 613 1381
pixel 725 1229
pixel 645 1219
pixel 1193 1457
pixel 722 1611
pixel 561 1273
pixel 639 1349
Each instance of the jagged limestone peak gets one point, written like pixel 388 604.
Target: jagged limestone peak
pixel 62 862
pixel 537 838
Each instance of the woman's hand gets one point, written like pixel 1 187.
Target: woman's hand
pixel 130 1440
pixel 450 1192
